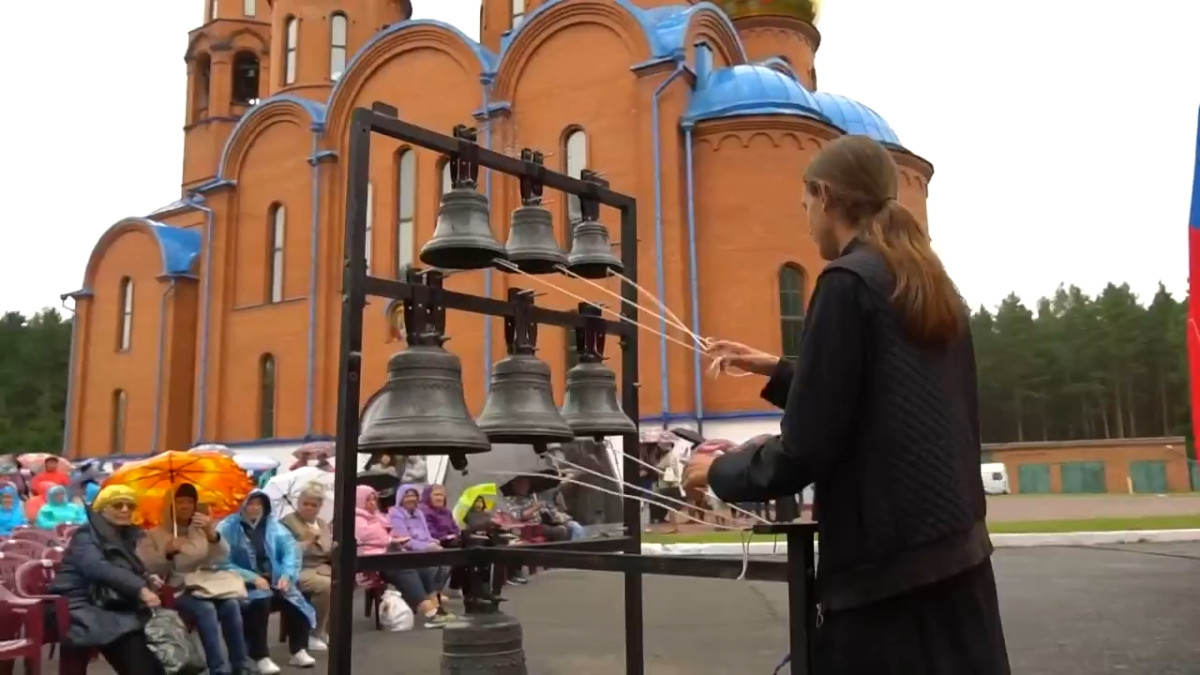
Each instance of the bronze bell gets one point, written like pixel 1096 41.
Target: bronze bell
pixel 480 644
pixel 591 251
pixel 463 238
pixel 520 404
pixel 590 405
pixel 421 409
pixel 531 244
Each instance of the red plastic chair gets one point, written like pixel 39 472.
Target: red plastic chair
pixel 10 563
pixel 29 549
pixel 43 537
pixel 33 582
pixel 64 532
pixel 22 636
pixel 53 554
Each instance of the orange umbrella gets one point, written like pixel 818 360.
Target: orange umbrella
pixel 221 484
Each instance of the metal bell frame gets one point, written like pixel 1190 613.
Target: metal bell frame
pixel 616 554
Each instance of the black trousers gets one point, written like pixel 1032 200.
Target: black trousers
pixel 129 655
pixel 951 627
pixel 257 614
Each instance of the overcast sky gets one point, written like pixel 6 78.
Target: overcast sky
pixel 1063 137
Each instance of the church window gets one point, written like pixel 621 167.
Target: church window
pixel 275 264
pixel 266 393
pixel 791 308
pixel 249 7
pixel 213 10
pixel 202 74
pixel 370 223
pixel 406 196
pixel 518 13
pixel 125 327
pixel 575 149
pixel 117 439
pixel 337 45
pixel 245 78
pixel 292 41
pixel 447 184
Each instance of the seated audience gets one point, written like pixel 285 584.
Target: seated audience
pixel 267 557
pixel 49 476
pixel 108 589
pixel 186 550
pixel 12 512
pixel 316 548
pixel 524 507
pixel 418 587
pixel 58 510
pixel 439 519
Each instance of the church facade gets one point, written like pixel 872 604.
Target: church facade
pixel 217 317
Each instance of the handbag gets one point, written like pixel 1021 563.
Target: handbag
pixel 172 645
pixel 215 585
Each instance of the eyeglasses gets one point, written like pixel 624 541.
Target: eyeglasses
pixel 122 506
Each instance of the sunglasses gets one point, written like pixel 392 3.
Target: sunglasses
pixel 122 506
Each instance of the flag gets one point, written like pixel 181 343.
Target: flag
pixel 1193 323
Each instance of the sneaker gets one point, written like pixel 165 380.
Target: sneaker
pixel 438 620
pixel 301 659
pixel 517 581
pixel 316 644
pixel 267 667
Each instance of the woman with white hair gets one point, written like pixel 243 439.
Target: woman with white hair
pixel 316 545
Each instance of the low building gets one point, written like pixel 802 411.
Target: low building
pixel 1119 465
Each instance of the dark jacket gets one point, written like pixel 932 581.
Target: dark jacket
pixel 887 430
pixel 101 578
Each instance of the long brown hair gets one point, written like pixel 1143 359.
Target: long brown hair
pixel 859 179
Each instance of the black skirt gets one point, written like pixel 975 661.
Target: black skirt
pixel 951 627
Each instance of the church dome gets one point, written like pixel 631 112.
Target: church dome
pixel 805 10
pixel 748 89
pixel 853 117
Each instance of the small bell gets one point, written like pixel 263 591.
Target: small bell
pixel 421 410
pixel 591 252
pixel 463 238
pixel 520 404
pixel 483 644
pixel 531 244
pixel 590 405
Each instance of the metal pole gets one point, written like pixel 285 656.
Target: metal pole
pixel 802 615
pixel 635 663
pixel 353 298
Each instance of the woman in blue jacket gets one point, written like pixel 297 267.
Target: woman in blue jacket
pixel 267 556
pixel 12 510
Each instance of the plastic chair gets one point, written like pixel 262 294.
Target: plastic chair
pixel 23 624
pixel 43 537
pixel 33 582
pixel 54 554
pixel 29 549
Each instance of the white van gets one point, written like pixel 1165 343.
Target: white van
pixel 995 478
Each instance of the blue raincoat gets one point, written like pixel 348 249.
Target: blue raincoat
pixel 59 510
pixel 283 552
pixel 90 490
pixel 14 516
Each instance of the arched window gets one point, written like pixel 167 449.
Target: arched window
pixel 291 42
pixel 337 45
pixel 245 78
pixel 370 223
pixel 201 82
pixel 266 396
pixel 575 149
pixel 447 184
pixel 278 238
pixel 406 196
pixel 518 13
pixel 791 308
pixel 125 322
pixel 249 7
pixel 118 423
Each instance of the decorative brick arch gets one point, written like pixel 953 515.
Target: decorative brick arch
pixel 708 24
pixel 405 37
pixel 550 19
pixel 176 260
pixel 275 110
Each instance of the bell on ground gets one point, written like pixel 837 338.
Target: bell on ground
pixel 590 405
pixel 531 244
pixel 463 238
pixel 483 644
pixel 591 252
pixel 520 404
pixel 421 409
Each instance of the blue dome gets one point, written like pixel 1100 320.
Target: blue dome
pixel 747 89
pixel 853 117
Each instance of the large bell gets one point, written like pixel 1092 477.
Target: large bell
pixel 463 238
pixel 591 251
pixel 421 409
pixel 520 404
pixel 483 644
pixel 531 244
pixel 590 405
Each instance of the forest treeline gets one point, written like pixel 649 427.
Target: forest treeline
pixel 1069 367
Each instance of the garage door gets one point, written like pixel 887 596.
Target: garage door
pixel 1149 477
pixel 1033 478
pixel 1083 478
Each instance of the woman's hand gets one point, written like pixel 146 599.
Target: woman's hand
pixel 149 597
pixel 262 584
pixel 155 581
pixel 737 355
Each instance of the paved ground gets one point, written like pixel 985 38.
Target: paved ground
pixel 1070 507
pixel 1128 610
